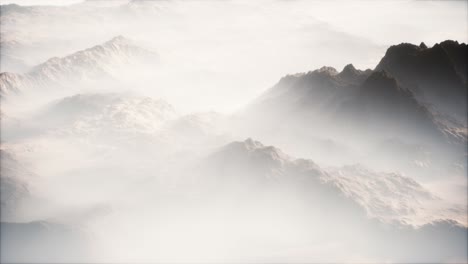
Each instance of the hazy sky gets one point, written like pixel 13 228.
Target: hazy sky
pixel 384 22
pixel 40 2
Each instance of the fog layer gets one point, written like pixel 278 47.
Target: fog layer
pixel 234 131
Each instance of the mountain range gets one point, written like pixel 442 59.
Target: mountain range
pixel 248 175
pixel 424 104
pixel 387 197
pixel 411 106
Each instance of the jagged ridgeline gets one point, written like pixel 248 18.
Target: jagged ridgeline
pixel 98 63
pixel 414 92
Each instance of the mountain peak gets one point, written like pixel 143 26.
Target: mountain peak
pixel 349 67
pixel 349 71
pixel 252 144
pixel 451 43
pixel 247 145
pixel 436 75
pixel 327 70
pixel 353 75
pixel 404 46
pixel 256 148
pixel 405 54
pixel 119 40
pixel 100 62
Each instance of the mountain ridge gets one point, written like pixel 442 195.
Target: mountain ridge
pixel 326 96
pixel 266 165
pixel 92 64
pixel 437 75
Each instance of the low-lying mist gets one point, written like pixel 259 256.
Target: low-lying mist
pixel 208 131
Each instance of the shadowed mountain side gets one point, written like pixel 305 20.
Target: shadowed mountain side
pixel 349 106
pixel 358 110
pixel 383 108
pixel 316 91
pixel 437 76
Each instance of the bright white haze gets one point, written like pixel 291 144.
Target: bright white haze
pixel 207 131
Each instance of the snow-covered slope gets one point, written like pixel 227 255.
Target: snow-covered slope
pixel 101 62
pixel 392 197
pixel 267 195
pixel 385 196
pixel 12 83
pixel 102 113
